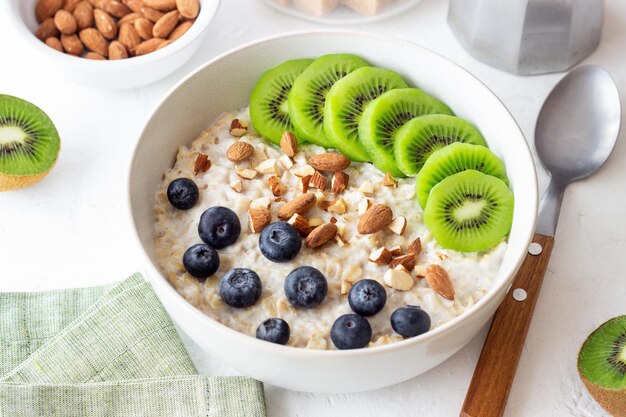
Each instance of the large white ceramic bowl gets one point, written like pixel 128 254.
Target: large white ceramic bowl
pixel 118 74
pixel 225 83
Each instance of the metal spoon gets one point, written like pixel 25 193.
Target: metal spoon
pixel 576 131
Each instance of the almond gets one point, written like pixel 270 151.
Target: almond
pixel 165 25
pixel 396 250
pixel 269 166
pixel 70 5
pixel 134 5
pixel 105 24
pixel 388 181
pixel 180 30
pixel 321 235
pixel 47 29
pixel 339 182
pixel 286 162
pixel 303 171
pixel 318 181
pixel 345 287
pixel 315 221
pixel 98 4
pixel 65 22
pixel 380 256
pixel 363 206
pixel 144 28
pixel 415 247
pixel 163 5
pixel 72 45
pixel 94 41
pixel 188 8
pixel 47 8
pixel 375 219
pixel 116 9
pixel 94 55
pixel 237 128
pixel 83 13
pixel 398 225
pixel 54 43
pixel 300 205
pixel 245 173
pixel 367 187
pixel 439 281
pixel 399 279
pixel 129 18
pixel 303 184
pixel 329 162
pixel 407 261
pixel 128 36
pixel 289 143
pixel 420 270
pixel 258 218
pixel 239 151
pixel 203 163
pixel 300 223
pixel 151 14
pixel 148 46
pixel 338 206
pixel 236 185
pixel 276 187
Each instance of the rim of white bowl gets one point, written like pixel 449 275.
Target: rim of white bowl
pixel 297 352
pixel 201 25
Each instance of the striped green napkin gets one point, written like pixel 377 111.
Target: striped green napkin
pixel 109 351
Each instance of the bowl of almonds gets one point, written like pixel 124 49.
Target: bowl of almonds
pixel 140 40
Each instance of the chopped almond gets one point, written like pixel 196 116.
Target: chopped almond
pixel 276 187
pixel 286 161
pixel 318 181
pixel 245 173
pixel 238 128
pixel 339 182
pixel 202 164
pixel 258 218
pixel 289 143
pixel 367 187
pixel 380 256
pixel 389 181
pixel 303 171
pixel 236 185
pixel 267 167
pixel 300 223
pixel 398 225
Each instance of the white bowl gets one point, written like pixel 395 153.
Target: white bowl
pixel 118 74
pixel 225 83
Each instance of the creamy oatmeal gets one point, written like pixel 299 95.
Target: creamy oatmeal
pixel 343 260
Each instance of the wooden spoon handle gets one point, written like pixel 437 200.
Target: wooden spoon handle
pixel 491 383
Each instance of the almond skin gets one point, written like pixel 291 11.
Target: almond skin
pixel 72 45
pixel 300 205
pixel 151 14
pixel 329 162
pixel 188 8
pixel 83 13
pixel 95 56
pixel 148 46
pixel 105 24
pixel 117 50
pixel 239 151
pixel 54 43
pixel 162 5
pixel 129 18
pixel 128 36
pixel 47 8
pixel 144 28
pixel 321 235
pixel 94 41
pixel 134 5
pixel 289 144
pixel 165 25
pixel 116 9
pixel 65 22
pixel 70 5
pixel 258 218
pixel 47 29
pixel 439 281
pixel 180 30
pixel 375 219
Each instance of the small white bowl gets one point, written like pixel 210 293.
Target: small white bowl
pixel 225 83
pixel 118 74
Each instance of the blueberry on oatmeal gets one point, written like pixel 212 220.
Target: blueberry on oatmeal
pixel 183 193
pixel 306 287
pixel 410 321
pixel 351 331
pixel 219 227
pixel 201 261
pixel 274 330
pixel 240 287
pixel 367 297
pixel 280 242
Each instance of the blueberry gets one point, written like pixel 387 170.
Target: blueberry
pixel 274 330
pixel 219 227
pixel 351 331
pixel 410 321
pixel 183 193
pixel 367 297
pixel 201 260
pixel 305 287
pixel 280 242
pixel 240 287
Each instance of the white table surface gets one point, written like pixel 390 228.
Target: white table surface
pixel 71 230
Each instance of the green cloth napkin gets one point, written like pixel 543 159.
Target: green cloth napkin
pixel 109 351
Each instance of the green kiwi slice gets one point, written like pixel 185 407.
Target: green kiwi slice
pixel 29 143
pixel 269 110
pixel 453 159
pixel 469 211
pixel 308 95
pixel 384 116
pixel 420 137
pixel 602 365
pixel 346 102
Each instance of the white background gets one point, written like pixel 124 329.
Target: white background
pixel 72 229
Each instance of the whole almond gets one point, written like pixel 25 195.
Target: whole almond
pixel 47 29
pixel 83 13
pixel 321 235
pixel 179 30
pixel 98 4
pixel 70 5
pixel 239 151
pixel 94 41
pixel 134 5
pixel 95 56
pixel 54 43
pixel 117 50
pixel 188 8
pixel 128 36
pixel 165 25
pixel 300 205
pixel 116 9
pixel 164 44
pixel 163 5
pixel 105 24
pixel 47 8
pixel 144 28
pixel 151 14
pixel 329 162
pixel 439 281
pixel 375 219
pixel 148 46
pixel 65 22
pixel 72 45
pixel 289 143
pixel 129 18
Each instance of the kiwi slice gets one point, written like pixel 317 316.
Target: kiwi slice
pixel 384 116
pixel 346 102
pixel 469 211
pixel 602 365
pixel 269 111
pixel 308 95
pixel 420 137
pixel 453 159
pixel 29 143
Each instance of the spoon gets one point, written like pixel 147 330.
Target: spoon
pixel 576 131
